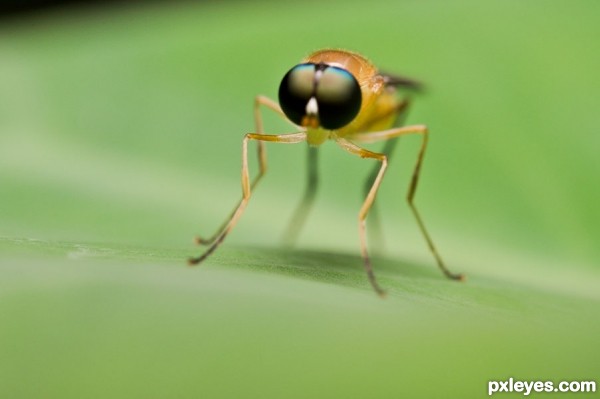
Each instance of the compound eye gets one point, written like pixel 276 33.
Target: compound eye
pixel 295 90
pixel 339 97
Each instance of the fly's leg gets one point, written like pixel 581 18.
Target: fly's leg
pixel 259 101
pixel 246 187
pixel 423 132
pixel 364 210
pixel 299 217
pixel 374 222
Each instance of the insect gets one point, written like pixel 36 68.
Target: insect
pixel 334 95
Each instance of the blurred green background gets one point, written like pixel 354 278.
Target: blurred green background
pixel 120 139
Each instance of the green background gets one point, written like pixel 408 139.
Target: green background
pixel 120 139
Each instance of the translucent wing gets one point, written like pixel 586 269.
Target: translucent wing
pixel 401 81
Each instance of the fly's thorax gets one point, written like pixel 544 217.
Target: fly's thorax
pixel 371 83
pixel 360 67
pixel 317 136
pixel 380 113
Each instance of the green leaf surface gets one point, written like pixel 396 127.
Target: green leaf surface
pixel 120 139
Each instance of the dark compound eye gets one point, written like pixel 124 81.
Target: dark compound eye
pixel 338 96
pixel 336 91
pixel 296 88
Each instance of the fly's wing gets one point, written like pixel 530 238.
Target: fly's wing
pixel 399 81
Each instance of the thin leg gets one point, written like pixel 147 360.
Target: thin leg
pixel 299 217
pixel 392 133
pixel 258 124
pixel 262 157
pixel 374 221
pixel 364 210
pixel 246 186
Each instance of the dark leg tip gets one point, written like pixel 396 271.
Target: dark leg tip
pixel 193 261
pixel 378 290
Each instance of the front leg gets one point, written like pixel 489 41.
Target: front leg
pixel 259 101
pixel 364 210
pixel 246 187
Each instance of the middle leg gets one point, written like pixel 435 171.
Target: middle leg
pixel 299 217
